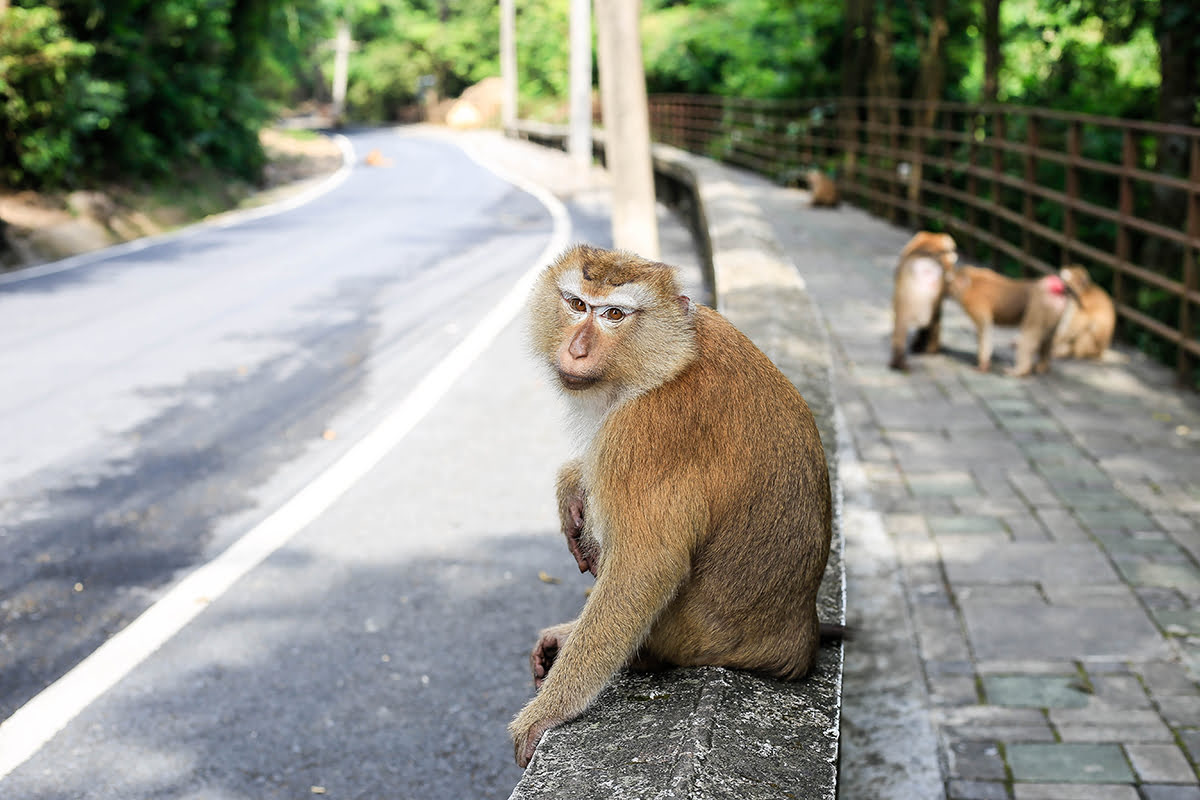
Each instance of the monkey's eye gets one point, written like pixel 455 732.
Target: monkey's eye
pixel 613 314
pixel 576 305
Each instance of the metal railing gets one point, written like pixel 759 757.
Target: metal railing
pixel 1024 190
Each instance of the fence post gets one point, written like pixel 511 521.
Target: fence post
pixel 972 127
pixel 1031 142
pixel 1074 152
pixel 1186 361
pixel 999 133
pixel 1125 207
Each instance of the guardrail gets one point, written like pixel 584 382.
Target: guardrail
pixel 1024 189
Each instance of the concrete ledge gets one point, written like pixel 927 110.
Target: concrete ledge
pixel 711 732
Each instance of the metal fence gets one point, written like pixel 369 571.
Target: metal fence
pixel 1024 190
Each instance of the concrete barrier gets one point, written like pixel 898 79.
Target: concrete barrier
pixel 711 732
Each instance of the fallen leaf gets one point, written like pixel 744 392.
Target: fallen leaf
pixel 329 435
pixel 545 577
pixel 318 790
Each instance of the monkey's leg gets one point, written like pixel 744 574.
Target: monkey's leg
pixel 899 335
pixel 920 340
pixel 933 332
pixel 550 641
pixel 985 345
pixel 642 572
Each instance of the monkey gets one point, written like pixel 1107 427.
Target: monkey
pixel 920 287
pixel 823 190
pixel 698 496
pixel 1086 329
pixel 376 158
pixel 991 299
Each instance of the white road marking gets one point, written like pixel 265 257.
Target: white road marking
pixel 216 221
pixel 47 713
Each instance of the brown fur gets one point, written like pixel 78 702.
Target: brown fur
pixel 1086 330
pixel 920 287
pixel 991 299
pixel 703 493
pixel 822 189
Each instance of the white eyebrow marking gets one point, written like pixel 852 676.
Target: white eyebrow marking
pixel 628 298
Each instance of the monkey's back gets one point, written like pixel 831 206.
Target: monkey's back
pixel 733 424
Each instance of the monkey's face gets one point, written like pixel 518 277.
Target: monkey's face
pixel 595 327
pixel 612 320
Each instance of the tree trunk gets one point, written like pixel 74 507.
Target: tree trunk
pixel 991 50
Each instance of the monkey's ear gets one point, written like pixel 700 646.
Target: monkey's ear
pixel 685 303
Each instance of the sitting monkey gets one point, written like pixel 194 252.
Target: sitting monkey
pixel 700 499
pixel 1086 329
pixel 823 191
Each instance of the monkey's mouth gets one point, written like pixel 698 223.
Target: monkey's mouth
pixel 576 382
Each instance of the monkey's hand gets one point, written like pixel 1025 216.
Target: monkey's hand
pixel 527 735
pixel 546 650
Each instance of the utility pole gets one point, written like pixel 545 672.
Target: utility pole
pixel 579 133
pixel 341 69
pixel 627 126
pixel 508 62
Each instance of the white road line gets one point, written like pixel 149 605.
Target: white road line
pixel 217 221
pixel 36 722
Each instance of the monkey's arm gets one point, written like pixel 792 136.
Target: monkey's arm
pixel 570 516
pixel 640 573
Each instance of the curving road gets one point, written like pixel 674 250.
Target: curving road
pixel 159 402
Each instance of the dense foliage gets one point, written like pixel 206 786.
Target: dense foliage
pixel 137 87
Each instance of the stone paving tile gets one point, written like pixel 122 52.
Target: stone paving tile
pixel 1069 763
pixel 992 723
pixel 965 523
pixel 974 561
pixel 977 760
pixel 1066 791
pixel 1097 724
pixel 1036 691
pixel 978 790
pixel 1160 763
pixel 1119 691
pixel 1170 792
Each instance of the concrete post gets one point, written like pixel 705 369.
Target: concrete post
pixel 341 69
pixel 508 62
pixel 627 126
pixel 579 136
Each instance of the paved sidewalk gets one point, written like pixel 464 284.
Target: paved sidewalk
pixel 1047 539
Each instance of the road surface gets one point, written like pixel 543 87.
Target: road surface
pixel 159 403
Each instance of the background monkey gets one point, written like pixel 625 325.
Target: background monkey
pixel 920 287
pixel 822 189
pixel 991 299
pixel 1086 329
pixel 700 498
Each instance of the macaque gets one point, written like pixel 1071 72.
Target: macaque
pixel 991 299
pixel 699 495
pixel 920 287
pixel 1086 329
pixel 375 158
pixel 822 189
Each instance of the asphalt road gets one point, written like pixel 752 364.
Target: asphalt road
pixel 157 404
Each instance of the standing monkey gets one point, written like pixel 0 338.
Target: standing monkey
pixel 920 287
pixel 1087 327
pixel 699 499
pixel 991 299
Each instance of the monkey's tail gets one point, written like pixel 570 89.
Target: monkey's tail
pixel 833 632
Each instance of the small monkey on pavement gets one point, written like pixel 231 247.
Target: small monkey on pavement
pixel 1086 329
pixel 991 299
pixel 822 189
pixel 920 286
pixel 699 497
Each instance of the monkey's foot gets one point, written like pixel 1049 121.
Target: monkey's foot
pixel 544 653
